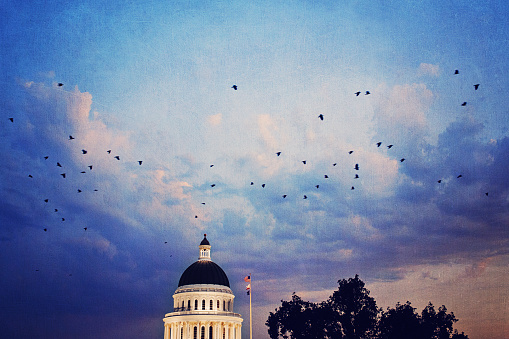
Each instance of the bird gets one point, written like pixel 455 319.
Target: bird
pixel 459 176
pixel 486 193
pixel 58 164
pixel 252 183
pixel 117 157
pixel 263 185
pixel 356 176
pixel 11 119
pixel 321 116
pixel 305 196
pixel 464 103
pixel 350 152
pixel 439 181
pixel 45 230
pixel 356 167
pixel 30 176
pixel 165 242
pixel 46 200
pixel 334 164
pixel 234 87
pixel 389 146
pixel 63 175
pixel 278 153
pixel 85 228
pixel 326 176
pixel 317 186
pixel 90 166
pixel 140 162
pixel 357 93
pixel 211 165
pixel 196 217
pixel 84 151
pixel 304 162
pixel 367 93
pixel 476 86
pixel 456 72
pixel 284 196
pixel 402 159
pixel 56 210
pixel 96 190
pixel 108 151
pixel 352 188
pixel 203 203
pixel 79 191
pixel 71 137
pixel 83 172
pixel 63 219
pixel 213 185
pixel 46 157
pixel 378 144
pixel 60 84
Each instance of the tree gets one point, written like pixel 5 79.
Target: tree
pixel 350 313
pixel 356 311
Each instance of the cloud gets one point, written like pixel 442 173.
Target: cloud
pixel 215 120
pixel 428 69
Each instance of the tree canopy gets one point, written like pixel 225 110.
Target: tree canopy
pixel 351 313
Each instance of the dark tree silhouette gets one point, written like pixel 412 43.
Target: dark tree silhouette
pixel 350 313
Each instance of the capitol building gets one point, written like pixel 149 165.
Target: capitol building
pixel 203 303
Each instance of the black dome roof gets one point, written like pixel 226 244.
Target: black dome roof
pixel 204 272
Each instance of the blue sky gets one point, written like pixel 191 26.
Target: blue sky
pixel 152 81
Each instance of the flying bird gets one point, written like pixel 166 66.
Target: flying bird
pixel 90 166
pixel 464 103
pixel 56 210
pixel 356 167
pixel 58 164
pixel 402 159
pixel 211 165
pixel 234 87
pixel 203 203
pixel 317 186
pixel 305 196
pixel 63 219
pixel 63 175
pixel 117 157
pixel 389 146
pixel 71 137
pixel 79 191
pixel 284 196
pixel 334 164
pixel 321 116
pixel 326 176
pixel 252 183
pixel 357 93
pixel 356 176
pixel 85 228
pixel 108 151
pixel 84 151
pixel 486 193
pixel 263 185
pixel 378 144
pixel 304 162
pixel 352 188
pixel 278 153
pixel 140 162
pixel 350 152
pixel 367 93
pixel 46 200
pixel 46 157
pixel 459 176
pixel 60 84
pixel 11 119
pixel 456 72
pixel 476 86
pixel 213 185
pixel 196 217
pixel 83 172
pixel 30 176
pixel 45 230
pixel 439 181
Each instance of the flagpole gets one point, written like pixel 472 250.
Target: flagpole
pixel 250 309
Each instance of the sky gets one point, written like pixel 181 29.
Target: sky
pixel 152 81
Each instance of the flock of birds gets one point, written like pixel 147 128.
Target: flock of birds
pixel 355 175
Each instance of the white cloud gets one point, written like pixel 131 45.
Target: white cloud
pixel 428 69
